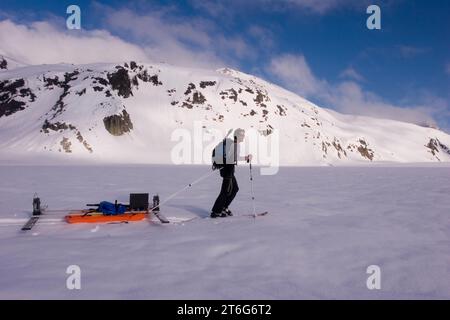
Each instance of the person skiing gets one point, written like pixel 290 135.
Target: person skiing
pixel 225 157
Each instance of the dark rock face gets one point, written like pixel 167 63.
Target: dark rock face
pixel 80 93
pixel 68 77
pixel 187 105
pixel 61 127
pixel 50 82
pixel 11 107
pixel 118 125
pixel 133 65
pixel 281 110
pixel 3 64
pixel 198 98
pixel 102 81
pixel 120 81
pixel 144 76
pixel 261 98
pixel 154 80
pixel 436 146
pixel 189 89
pixel 337 145
pixel 205 84
pixel 84 142
pixel 57 126
pixel 365 151
pixel 433 146
pixel 230 93
pixel 9 91
pixel 66 145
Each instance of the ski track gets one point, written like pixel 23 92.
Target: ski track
pixel 325 226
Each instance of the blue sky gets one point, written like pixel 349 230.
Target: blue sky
pixel 319 49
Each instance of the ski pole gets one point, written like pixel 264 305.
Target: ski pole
pixel 251 188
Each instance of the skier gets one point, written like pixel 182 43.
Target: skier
pixel 225 156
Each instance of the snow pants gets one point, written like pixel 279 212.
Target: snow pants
pixel 228 191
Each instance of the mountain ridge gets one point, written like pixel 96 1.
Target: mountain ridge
pixel 93 111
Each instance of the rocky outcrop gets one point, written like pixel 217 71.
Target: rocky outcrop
pixel 365 151
pixel 198 98
pixel 66 145
pixel 281 110
pixel 120 82
pixel 64 84
pixel 189 89
pixel 3 63
pixel 9 92
pixel 61 127
pixel 118 124
pixel 204 84
pixel 57 126
pixel 435 146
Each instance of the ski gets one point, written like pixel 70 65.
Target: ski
pixel 30 223
pixel 246 215
pixel 259 214
pixel 175 220
pixel 160 217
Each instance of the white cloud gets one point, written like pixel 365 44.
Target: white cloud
pixel 264 36
pixel 295 74
pixel 351 73
pixel 160 35
pixel 349 97
pixel 156 36
pixel 41 42
pixel 186 41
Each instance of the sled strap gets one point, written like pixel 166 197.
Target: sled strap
pixel 224 148
pixel 235 150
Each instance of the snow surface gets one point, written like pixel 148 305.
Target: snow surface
pixel 326 226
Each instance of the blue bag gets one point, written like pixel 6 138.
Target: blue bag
pixel 110 209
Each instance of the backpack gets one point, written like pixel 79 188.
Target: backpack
pixel 219 155
pixel 218 158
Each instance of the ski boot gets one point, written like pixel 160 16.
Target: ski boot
pixel 227 212
pixel 218 214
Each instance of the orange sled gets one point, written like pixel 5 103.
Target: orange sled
pixel 96 217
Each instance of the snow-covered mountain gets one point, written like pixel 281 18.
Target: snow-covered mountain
pixel 129 112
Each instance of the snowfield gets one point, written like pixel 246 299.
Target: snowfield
pixel 326 226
